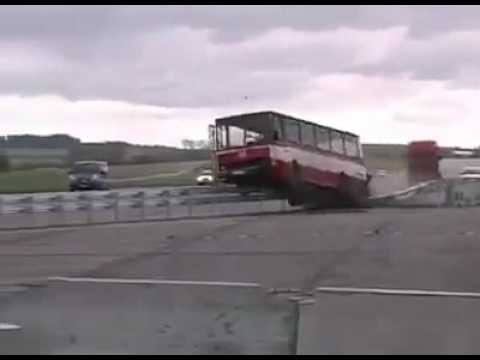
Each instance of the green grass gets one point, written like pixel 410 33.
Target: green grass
pixel 39 180
pixel 164 174
pixel 389 164
pixel 390 157
pixel 52 180
pixel 132 171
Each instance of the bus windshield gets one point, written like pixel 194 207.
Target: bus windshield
pixel 231 136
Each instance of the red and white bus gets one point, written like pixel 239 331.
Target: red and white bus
pixel 306 162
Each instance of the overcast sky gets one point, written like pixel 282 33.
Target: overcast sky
pixel 157 74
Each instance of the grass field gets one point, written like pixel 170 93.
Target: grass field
pixel 132 171
pixel 39 180
pixel 52 180
pixel 390 157
pixel 389 164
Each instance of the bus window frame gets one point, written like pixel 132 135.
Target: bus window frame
pixel 227 128
pixel 313 133
pixel 278 130
pixel 279 126
pixel 221 135
pixel 354 145
pixel 299 131
pixel 341 138
pixel 324 131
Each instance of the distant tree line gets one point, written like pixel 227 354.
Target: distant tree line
pixel 189 144
pixel 40 142
pixel 114 152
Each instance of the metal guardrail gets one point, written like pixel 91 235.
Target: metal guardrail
pixel 143 201
pixel 193 202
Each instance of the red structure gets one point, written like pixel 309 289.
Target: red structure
pixel 423 161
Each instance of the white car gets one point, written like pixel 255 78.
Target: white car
pixel 205 177
pixel 470 173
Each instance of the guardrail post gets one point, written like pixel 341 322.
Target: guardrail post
pixel 89 209
pixel 116 206
pixel 60 207
pixel 212 207
pixel 190 204
pixel 142 203
pixel 168 210
pixel 28 209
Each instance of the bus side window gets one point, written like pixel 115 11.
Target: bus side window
pixel 278 133
pixel 236 136
pixel 221 135
pixel 359 148
pixel 351 146
pixel 336 142
pixel 308 135
pixel 292 131
pixel 323 141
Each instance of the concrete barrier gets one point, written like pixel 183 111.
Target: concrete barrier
pixel 437 193
pixel 79 316
pixel 376 321
pixel 428 194
pixel 465 192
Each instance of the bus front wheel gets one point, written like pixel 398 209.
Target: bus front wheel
pixel 295 187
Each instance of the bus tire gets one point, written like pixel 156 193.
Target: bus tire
pixel 295 186
pixel 324 198
pixel 353 193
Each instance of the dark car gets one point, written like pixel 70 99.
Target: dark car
pixel 89 175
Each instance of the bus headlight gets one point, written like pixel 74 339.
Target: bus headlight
pixel 95 177
pixel 72 177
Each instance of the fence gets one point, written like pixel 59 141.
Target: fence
pixel 131 205
pixel 434 193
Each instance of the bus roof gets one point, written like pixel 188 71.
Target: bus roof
pixel 226 119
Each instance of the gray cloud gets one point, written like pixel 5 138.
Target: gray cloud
pixel 215 55
pixel 236 21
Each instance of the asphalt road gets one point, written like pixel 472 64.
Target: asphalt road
pixel 429 249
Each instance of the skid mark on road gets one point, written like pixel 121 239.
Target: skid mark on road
pixel 328 270
pixel 19 237
pixel 171 246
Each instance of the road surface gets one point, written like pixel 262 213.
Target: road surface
pixel 430 249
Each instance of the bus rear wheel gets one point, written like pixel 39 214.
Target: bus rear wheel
pixel 353 193
pixel 296 190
